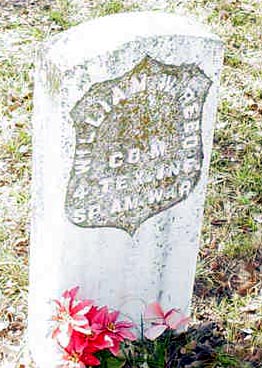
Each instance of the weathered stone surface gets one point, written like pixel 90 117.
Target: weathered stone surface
pixel 123 126
pixel 138 145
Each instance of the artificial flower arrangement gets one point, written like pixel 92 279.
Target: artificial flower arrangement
pixel 89 335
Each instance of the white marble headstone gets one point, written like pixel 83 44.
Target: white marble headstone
pixel 124 112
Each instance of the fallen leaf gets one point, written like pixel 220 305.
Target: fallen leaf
pixel 246 287
pixel 218 222
pixel 214 266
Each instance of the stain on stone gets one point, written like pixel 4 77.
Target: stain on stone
pixel 138 145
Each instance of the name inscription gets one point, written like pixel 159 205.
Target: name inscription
pixel 138 145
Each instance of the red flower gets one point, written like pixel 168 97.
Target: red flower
pixel 83 329
pixel 161 321
pixel 105 323
pixel 70 315
pixel 77 355
pixel 83 343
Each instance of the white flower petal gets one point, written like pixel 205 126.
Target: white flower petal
pixel 84 310
pixel 85 331
pixel 63 339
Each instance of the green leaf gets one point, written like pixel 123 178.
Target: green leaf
pixel 158 358
pixel 115 362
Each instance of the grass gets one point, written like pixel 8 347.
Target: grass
pixel 226 360
pixel 61 14
pixel 228 278
pixel 113 7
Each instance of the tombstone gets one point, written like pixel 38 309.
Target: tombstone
pixel 124 113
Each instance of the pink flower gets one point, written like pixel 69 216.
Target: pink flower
pixel 82 329
pixel 161 321
pixel 105 323
pixel 70 316
pixel 74 359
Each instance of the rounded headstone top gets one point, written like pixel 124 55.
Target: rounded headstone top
pixel 108 33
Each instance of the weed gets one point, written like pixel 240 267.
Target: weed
pixel 59 18
pixel 61 15
pixel 111 7
pixel 225 360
